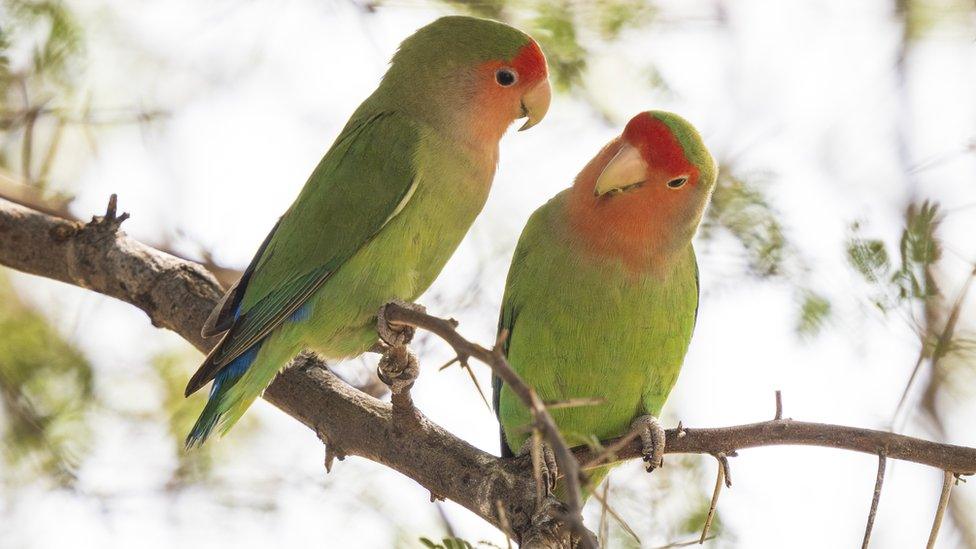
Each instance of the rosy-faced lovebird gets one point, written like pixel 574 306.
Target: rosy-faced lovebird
pixel 602 293
pixel 381 213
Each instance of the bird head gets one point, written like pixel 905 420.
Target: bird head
pixel 646 191
pixel 472 75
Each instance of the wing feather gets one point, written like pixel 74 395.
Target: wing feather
pixel 363 182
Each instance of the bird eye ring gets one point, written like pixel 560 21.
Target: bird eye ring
pixel 506 77
pixel 677 182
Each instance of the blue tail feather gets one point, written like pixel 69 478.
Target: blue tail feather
pixel 212 411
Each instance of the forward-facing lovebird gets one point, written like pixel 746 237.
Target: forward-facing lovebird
pixel 381 213
pixel 602 293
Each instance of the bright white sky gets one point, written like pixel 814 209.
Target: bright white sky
pixel 803 92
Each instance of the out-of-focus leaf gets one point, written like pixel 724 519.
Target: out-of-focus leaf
pixel 489 9
pixel 920 249
pixel 869 258
pixel 814 311
pixel 53 55
pixel 741 208
pixel 614 17
pixel 559 26
pixel 923 17
pixel 45 393
pixel 178 413
pixel 447 543
pixel 555 29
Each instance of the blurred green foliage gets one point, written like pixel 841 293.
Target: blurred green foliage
pixel 919 249
pixel 565 29
pixel 741 209
pixel 38 89
pixel 177 413
pixel 925 17
pixel 446 543
pixel 46 388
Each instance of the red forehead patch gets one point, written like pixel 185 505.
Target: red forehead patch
pixel 530 62
pixel 657 144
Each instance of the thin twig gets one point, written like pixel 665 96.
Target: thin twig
pixel 942 456
pixel 449 363
pixel 623 523
pixel 779 405
pixel 948 479
pixel 609 453
pixel 879 481
pixel 723 461
pixel 604 529
pixel 503 519
pixel 688 543
pixel 575 403
pixel 477 385
pixel 942 345
pixel 720 480
pixel 536 454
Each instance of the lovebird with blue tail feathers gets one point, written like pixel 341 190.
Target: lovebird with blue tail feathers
pixel 381 213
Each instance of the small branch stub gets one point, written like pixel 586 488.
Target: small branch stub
pixel 110 221
pixel 332 450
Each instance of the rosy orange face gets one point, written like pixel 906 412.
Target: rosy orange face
pixel 512 89
pixel 646 190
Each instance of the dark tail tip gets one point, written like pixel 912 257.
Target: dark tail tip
pixel 201 429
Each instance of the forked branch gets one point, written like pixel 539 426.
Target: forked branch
pixel 178 295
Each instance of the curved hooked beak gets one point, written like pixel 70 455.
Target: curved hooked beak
pixel 626 169
pixel 535 103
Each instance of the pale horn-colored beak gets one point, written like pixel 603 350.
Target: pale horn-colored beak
pixel 626 169
pixel 535 103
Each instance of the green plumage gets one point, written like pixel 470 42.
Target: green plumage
pixel 581 326
pixel 376 221
pixel 590 318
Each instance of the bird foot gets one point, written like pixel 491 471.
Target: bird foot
pixel 396 335
pixel 398 368
pixel 652 437
pixel 546 469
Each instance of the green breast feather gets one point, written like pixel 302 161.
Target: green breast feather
pixel 585 327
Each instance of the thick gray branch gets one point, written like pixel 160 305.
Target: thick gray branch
pixel 178 295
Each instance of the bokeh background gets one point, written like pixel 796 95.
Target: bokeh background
pixel 840 241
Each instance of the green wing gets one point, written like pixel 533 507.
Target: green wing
pixel 362 182
pixel 506 323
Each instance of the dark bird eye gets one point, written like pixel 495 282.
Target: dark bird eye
pixel 677 182
pixel 505 77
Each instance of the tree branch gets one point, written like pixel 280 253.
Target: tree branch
pixel 178 295
pixel 947 457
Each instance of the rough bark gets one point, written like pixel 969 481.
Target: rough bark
pixel 178 295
